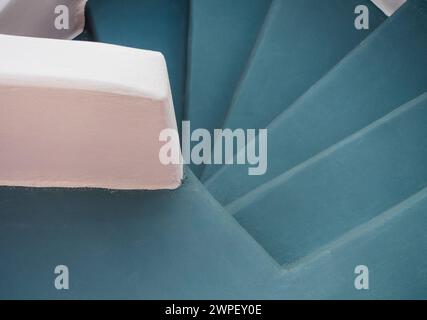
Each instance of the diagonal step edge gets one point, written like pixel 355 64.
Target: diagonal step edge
pixel 204 176
pixel 360 230
pixel 187 78
pixel 264 189
pixel 188 173
pixel 264 28
pixel 364 43
pixel 208 179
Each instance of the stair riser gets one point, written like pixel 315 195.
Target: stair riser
pixel 358 179
pixel 377 77
pixel 301 41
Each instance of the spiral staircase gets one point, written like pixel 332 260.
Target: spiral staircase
pixel 346 185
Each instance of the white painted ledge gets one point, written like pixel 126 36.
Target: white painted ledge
pixel 389 6
pixel 82 114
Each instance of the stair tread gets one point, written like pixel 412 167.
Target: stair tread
pixel 366 85
pixel 222 35
pixel 363 177
pixel 389 245
pixel 124 245
pixel 181 244
pixel 134 244
pixel 371 227
pixel 301 41
pixel 283 66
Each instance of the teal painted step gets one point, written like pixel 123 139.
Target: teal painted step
pixel 340 188
pixel 374 79
pixel 127 245
pixel 392 246
pixel 301 41
pixel 180 244
pixel 160 25
pixel 222 35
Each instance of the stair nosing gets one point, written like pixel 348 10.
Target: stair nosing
pixel 237 89
pixel 360 230
pixel 293 105
pixel 265 188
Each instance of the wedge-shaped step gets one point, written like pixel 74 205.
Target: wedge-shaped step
pixel 391 244
pixel 222 35
pixel 340 188
pixel 159 25
pixel 71 118
pixel 301 41
pixel 370 82
pixel 123 245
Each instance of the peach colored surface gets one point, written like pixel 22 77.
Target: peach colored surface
pixel 35 18
pixel 91 119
